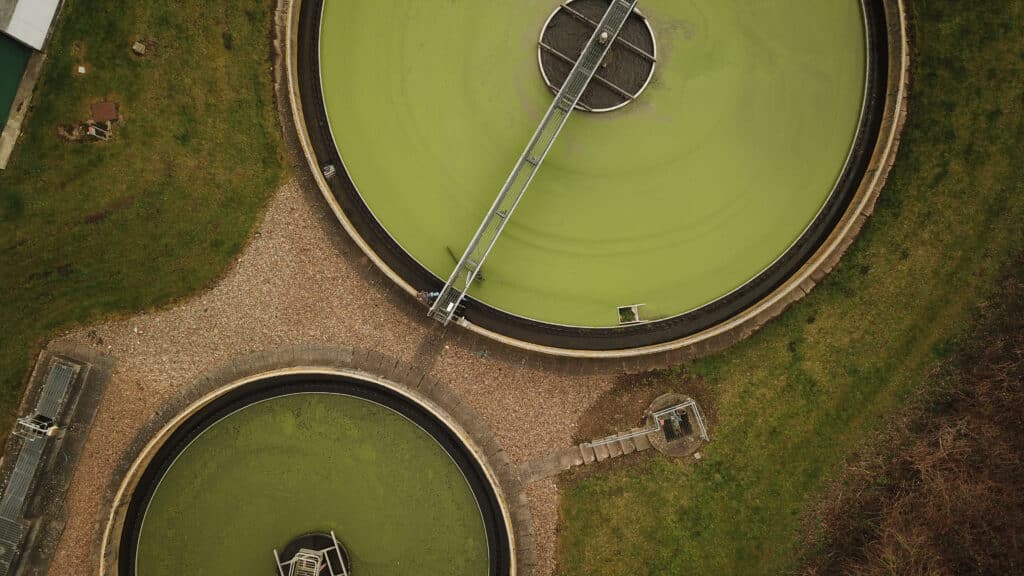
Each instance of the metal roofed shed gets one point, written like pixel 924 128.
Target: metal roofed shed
pixel 13 60
pixel 24 30
pixel 28 21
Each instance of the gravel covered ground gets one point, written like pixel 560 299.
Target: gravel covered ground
pixel 299 282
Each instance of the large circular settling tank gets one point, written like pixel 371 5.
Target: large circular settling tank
pixel 738 151
pixel 289 456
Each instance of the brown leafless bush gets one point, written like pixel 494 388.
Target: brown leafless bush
pixel 944 491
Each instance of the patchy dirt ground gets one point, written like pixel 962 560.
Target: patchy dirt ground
pixel 623 405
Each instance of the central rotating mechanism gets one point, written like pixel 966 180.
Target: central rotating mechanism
pixel 315 554
pixel 624 73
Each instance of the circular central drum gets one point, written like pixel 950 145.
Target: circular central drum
pixel 626 69
pixel 691 203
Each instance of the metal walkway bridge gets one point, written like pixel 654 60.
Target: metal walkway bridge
pixel 447 303
pixel 35 430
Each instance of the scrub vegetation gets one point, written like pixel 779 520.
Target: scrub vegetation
pixel 159 211
pixel 796 401
pixel 944 491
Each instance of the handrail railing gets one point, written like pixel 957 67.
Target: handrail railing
pixel 446 304
pixel 655 425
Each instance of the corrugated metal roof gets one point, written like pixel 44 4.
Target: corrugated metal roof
pixel 28 21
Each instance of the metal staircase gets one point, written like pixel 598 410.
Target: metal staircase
pixel 447 303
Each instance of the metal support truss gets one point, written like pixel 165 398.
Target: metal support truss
pixel 447 303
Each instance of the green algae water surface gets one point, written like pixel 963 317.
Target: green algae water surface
pixel 313 462
pixel 673 201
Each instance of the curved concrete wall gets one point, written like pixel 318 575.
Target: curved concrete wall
pixel 431 395
pixel 743 324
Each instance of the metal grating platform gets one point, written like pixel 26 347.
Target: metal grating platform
pixel 13 501
pixel 11 535
pixel 55 390
pixel 624 73
pixel 34 431
pixel 447 303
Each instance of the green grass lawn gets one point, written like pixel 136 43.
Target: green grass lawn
pixel 808 390
pixel 87 230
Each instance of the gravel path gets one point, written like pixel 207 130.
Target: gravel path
pixel 301 281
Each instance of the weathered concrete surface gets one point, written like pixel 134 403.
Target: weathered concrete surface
pixel 45 508
pixel 581 455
